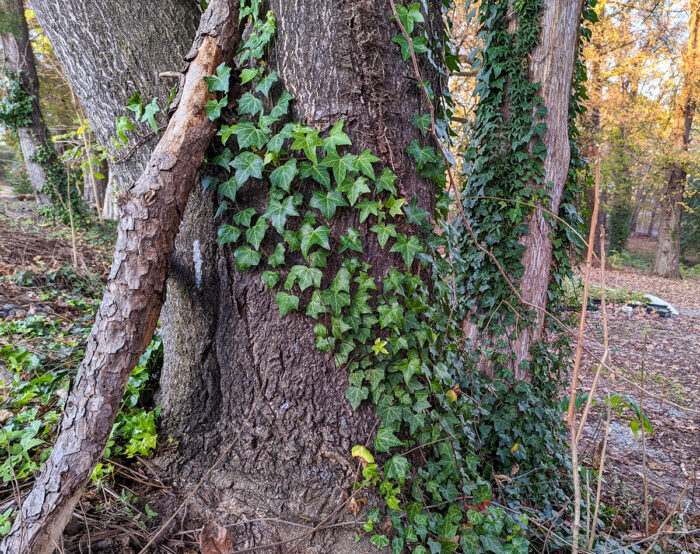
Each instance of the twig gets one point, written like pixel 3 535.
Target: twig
pixel 608 412
pixel 645 473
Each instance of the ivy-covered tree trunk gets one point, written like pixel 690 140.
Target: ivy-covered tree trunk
pixel 668 253
pixel 226 345
pixel 19 61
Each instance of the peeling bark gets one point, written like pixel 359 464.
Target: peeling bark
pixel 134 295
pixel 19 59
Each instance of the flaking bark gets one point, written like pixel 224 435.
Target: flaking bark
pixel 134 295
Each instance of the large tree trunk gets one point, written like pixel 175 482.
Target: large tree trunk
pixel 134 294
pixel 668 253
pixel 108 50
pixel 225 344
pixel 19 59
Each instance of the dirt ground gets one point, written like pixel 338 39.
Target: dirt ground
pixel 669 350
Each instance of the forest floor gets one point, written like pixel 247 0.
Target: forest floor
pixel 48 293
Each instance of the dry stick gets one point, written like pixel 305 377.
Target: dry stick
pixel 70 218
pixel 606 344
pixel 220 458
pixel 134 294
pixel 588 506
pixel 645 473
pixel 608 412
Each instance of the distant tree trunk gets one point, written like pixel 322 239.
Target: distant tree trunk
pixel 652 220
pixel 19 59
pixel 552 64
pixel 668 253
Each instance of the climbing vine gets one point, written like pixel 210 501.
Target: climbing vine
pixel 438 448
pixel 16 104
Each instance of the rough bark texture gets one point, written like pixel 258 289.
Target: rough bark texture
pixel 226 345
pixel 109 50
pixel 134 295
pixel 552 64
pixel 668 253
pixel 19 58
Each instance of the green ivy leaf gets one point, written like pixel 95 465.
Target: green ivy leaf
pixel 244 217
pixel 220 81
pixel 318 173
pixel 278 212
pixel 135 105
pixel 315 307
pixel 286 302
pixel 266 83
pixel 223 160
pixel 247 165
pixel 386 181
pixel 327 202
pixel 248 75
pixel 423 155
pixel 397 469
pixel 354 189
pixel 304 276
pixel 277 257
pixel 225 132
pixel 246 257
pixel 123 125
pixel 275 144
pixel 340 166
pixel 227 233
pixel 248 135
pixel 351 241
pixel 383 231
pixel 248 104
pixel 307 140
pixel 310 237
pixel 355 395
pixel 283 176
pixel 368 207
pixel 270 278
pixel 335 299
pixel 380 541
pixel 214 107
pixel 282 105
pixel 336 138
pixel 221 209
pixel 394 205
pixel 386 440
pixel 364 162
pixel 230 188
pixel 407 247
pixel 422 122
pixel 255 234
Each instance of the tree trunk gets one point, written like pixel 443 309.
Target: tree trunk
pixel 19 59
pixel 668 253
pixel 225 344
pixel 134 294
pixel 144 39
pixel 552 64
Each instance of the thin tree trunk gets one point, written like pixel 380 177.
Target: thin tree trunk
pixel 134 296
pixel 19 59
pixel 668 253
pixel 552 64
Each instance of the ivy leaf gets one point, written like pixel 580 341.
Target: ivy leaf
pixel 214 107
pixel 277 257
pixel 409 16
pixel 225 133
pixel 245 257
pixel 355 395
pixel 340 166
pixel 220 81
pixel 275 144
pixel 386 440
pixel 397 469
pixel 394 205
pixel 318 173
pixel 491 544
pixel 364 162
pixel 247 164
pixel 327 202
pixel 307 140
pixel 386 181
pixel 353 189
pixel 423 155
pixel 248 75
pixel 367 207
pixel 351 240
pixel 270 278
pixel 227 233
pixel 380 541
pixel 266 83
pixel 383 231
pixel 248 104
pixel 286 302
pixel 221 209
pixel 278 212
pixel 255 234
pixel 223 160
pixel 414 214
pixel 244 217
pixel 230 188
pixel 304 276
pixel 248 135
pixel 123 125
pixel 335 299
pixel 422 122
pixel 407 247
pixel 315 307
pixel 283 176
pixel 135 105
pixel 282 105
pixel 319 258
pixel 310 237
pixel 336 138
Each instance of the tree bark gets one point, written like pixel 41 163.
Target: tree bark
pixel 19 59
pixel 668 253
pixel 224 341
pixel 108 50
pixel 134 295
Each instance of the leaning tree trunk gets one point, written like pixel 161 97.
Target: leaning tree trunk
pixel 225 344
pixel 668 253
pixel 19 59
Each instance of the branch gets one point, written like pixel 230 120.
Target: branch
pixel 134 295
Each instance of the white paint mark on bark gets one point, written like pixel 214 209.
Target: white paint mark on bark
pixel 197 258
